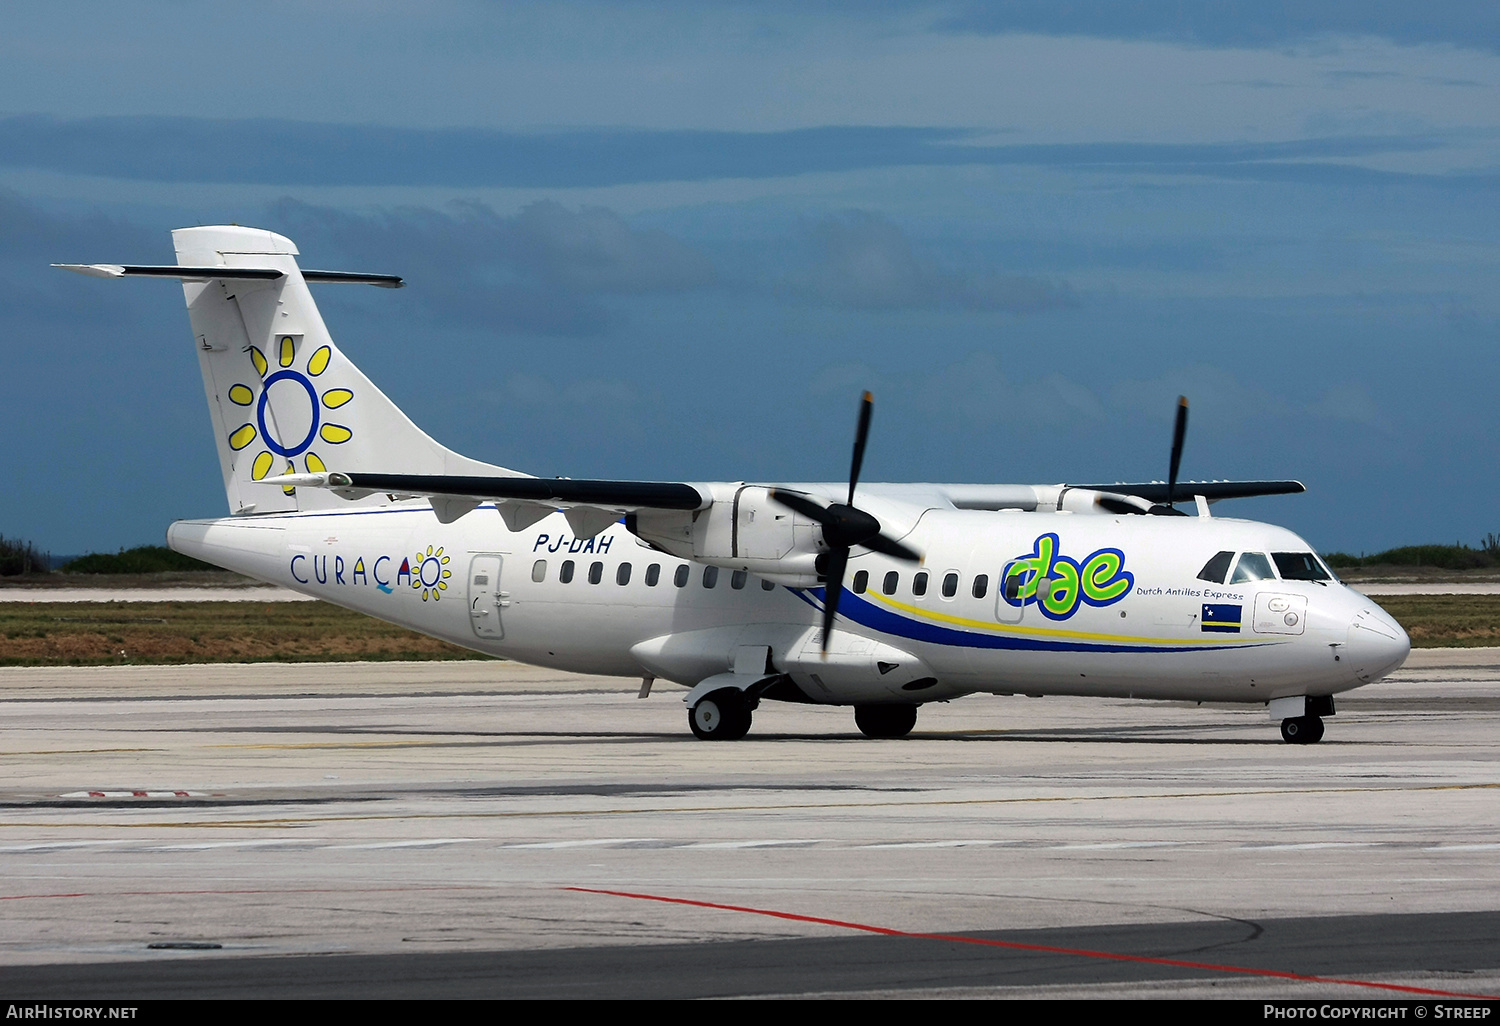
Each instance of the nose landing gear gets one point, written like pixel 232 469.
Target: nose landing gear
pixel 885 720
pixel 1302 730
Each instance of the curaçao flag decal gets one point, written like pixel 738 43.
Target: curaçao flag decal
pixel 1221 619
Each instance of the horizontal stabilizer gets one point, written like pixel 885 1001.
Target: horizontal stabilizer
pixel 1213 491
pixel 556 490
pixel 385 281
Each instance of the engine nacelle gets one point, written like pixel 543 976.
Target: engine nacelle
pixel 742 530
pixel 1090 500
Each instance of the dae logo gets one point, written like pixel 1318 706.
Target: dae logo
pixel 1099 580
pixel 297 421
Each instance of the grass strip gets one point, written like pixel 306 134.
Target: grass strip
pixel 101 633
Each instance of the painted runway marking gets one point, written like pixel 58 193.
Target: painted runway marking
pixel 1117 845
pixel 1033 844
pixel 721 845
pixel 247 890
pixel 789 807
pixel 435 842
pixel 1309 846
pixel 134 794
pixel 977 843
pixel 885 931
pixel 599 842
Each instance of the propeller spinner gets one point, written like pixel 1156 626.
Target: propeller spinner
pixel 844 526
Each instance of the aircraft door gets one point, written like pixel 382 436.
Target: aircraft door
pixel 1010 596
pixel 485 597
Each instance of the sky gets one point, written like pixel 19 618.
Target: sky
pixel 675 241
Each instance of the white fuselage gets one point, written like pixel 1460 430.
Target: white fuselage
pixel 1142 624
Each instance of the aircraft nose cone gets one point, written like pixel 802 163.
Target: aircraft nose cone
pixel 1377 644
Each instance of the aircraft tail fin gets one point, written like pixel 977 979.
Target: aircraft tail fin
pixel 282 396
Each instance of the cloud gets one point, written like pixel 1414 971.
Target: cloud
pixel 541 270
pixel 865 261
pixel 1237 23
pixel 294 153
pixel 1226 401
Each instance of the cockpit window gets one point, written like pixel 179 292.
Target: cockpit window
pixel 1253 566
pixel 1215 569
pixel 1300 566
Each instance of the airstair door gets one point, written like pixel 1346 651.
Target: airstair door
pixel 1016 587
pixel 485 597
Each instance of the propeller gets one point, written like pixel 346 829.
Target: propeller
pixel 1179 431
pixel 844 526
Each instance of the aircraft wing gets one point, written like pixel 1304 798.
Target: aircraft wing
pixel 556 490
pixel 590 506
pixel 1213 491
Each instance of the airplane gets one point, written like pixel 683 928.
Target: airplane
pixel 884 597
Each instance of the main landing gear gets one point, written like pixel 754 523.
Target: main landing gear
pixel 1302 730
pixel 722 715
pixel 894 720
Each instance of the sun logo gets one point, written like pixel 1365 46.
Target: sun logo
pixel 430 573
pixel 295 419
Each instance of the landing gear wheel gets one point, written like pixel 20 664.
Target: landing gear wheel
pixel 894 720
pixel 1302 730
pixel 721 715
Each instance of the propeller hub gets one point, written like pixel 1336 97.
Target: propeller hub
pixel 846 526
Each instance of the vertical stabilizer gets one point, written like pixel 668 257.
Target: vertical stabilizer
pixel 282 397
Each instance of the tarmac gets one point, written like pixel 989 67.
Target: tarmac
pixel 488 829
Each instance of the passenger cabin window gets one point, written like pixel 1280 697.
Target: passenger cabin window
pixel 1214 570
pixel 1253 566
pixel 539 571
pixel 653 575
pixel 1300 566
pixel 950 585
pixel 680 577
pixel 766 585
pixel 596 573
pixel 981 585
pixel 919 583
pixel 622 575
pixel 861 582
pixel 737 579
pixel 888 586
pixel 565 572
pixel 710 576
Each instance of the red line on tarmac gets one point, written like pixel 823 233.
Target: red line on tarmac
pixel 1015 946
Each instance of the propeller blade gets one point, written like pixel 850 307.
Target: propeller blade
pixel 861 434
pixel 891 547
pixel 799 503
pixel 1119 506
pixel 833 587
pixel 1178 432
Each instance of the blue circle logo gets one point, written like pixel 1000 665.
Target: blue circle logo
pixel 271 440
